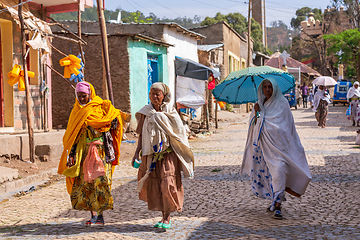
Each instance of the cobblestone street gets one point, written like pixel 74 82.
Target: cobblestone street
pixel 218 201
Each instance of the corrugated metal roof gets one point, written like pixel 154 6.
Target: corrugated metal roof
pixel 209 47
pixel 276 61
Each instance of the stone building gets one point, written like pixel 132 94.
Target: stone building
pixel 13 117
pixel 133 58
pixel 227 49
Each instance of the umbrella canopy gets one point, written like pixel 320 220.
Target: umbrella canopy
pixel 188 68
pixel 324 81
pixel 241 86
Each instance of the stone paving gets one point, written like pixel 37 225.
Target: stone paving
pixel 218 201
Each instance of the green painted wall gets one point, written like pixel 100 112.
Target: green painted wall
pixel 138 51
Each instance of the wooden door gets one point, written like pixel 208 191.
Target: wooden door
pixel 1 88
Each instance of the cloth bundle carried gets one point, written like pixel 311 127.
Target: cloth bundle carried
pixel 93 165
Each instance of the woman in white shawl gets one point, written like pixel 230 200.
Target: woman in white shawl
pixel 353 97
pixel 274 157
pixel 165 152
pixel 320 105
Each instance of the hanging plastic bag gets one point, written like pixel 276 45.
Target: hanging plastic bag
pixel 348 111
pixel 93 165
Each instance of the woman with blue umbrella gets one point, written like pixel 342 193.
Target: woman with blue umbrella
pixel 274 157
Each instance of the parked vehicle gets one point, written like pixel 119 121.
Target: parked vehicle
pixel 340 91
pixel 290 96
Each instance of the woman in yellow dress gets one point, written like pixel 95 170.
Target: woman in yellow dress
pixel 91 152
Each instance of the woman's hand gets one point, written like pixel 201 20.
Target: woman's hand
pixel 256 107
pixel 136 156
pixel 71 162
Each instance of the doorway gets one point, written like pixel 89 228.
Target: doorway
pixel 1 88
pixel 153 70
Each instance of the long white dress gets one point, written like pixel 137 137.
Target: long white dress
pixel 353 96
pixel 274 157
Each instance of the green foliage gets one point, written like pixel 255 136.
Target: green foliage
pixel 302 14
pixel 239 23
pixel 348 42
pixel 90 14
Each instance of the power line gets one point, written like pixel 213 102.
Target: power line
pixel 5 9
pixel 167 8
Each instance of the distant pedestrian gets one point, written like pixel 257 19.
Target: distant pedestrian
pixel 311 96
pixel 274 157
pixel 91 152
pixel 304 93
pixel 320 105
pixel 298 95
pixel 353 97
pixel 165 152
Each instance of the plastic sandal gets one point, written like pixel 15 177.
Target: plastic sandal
pixel 92 220
pixel 100 220
pixel 158 225
pixel 269 209
pixel 166 225
pixel 278 215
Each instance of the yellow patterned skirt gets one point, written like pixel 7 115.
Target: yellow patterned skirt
pixel 95 196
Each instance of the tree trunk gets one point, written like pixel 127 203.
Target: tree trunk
pixel 358 67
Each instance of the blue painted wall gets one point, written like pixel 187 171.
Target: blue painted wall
pixel 138 53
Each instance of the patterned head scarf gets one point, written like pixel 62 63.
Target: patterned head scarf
pixel 164 88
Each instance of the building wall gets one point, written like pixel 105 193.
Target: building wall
pixel 15 114
pixel 185 46
pixel 138 52
pixel 64 96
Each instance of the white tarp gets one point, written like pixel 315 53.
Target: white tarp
pixel 190 92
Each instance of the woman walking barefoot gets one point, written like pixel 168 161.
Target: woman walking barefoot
pixel 165 152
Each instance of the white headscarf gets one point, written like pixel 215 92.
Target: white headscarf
pixel 319 95
pixel 353 92
pixel 276 135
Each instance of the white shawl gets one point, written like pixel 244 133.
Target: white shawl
pixel 353 92
pixel 166 127
pixel 276 135
pixel 319 95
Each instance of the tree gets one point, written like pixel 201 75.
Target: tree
pixel 302 14
pixel 348 43
pixel 239 23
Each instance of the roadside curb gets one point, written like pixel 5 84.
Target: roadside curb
pixel 8 189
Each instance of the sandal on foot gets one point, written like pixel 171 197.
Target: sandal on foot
pixel 100 220
pixel 278 215
pixel 92 220
pixel 158 225
pixel 166 225
pixel 269 209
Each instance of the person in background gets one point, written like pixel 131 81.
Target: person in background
pixel 311 96
pixel 274 157
pixel 304 93
pixel 91 152
pixel 298 95
pixel 164 153
pixel 353 97
pixel 320 105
